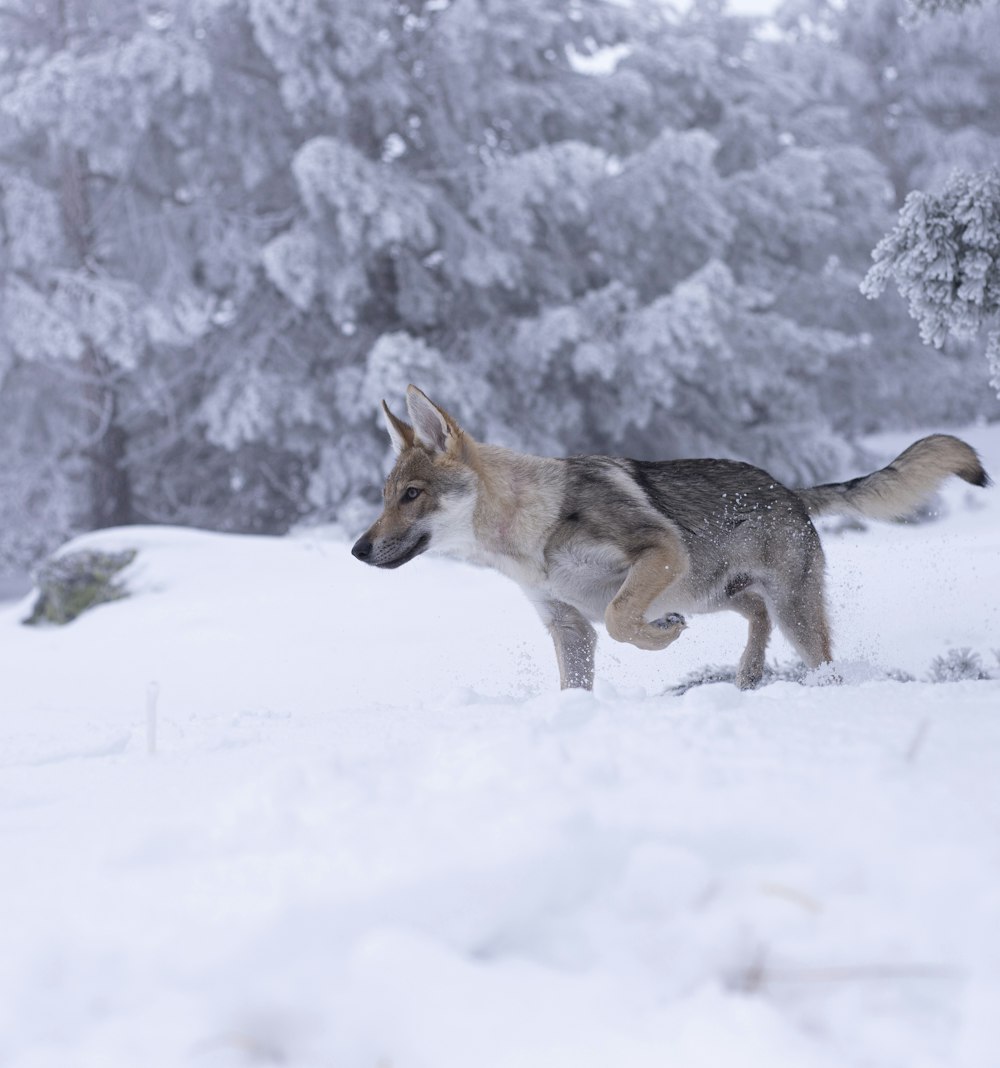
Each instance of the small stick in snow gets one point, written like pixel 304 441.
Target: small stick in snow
pixel 759 975
pixel 152 693
pixel 913 750
pixel 861 972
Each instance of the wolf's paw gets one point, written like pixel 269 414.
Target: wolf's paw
pixel 636 631
pixel 749 678
pixel 660 632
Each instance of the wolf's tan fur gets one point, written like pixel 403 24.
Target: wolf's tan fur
pixel 894 491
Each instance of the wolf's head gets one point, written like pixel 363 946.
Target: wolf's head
pixel 430 493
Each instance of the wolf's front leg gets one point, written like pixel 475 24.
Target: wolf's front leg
pixel 575 641
pixel 648 577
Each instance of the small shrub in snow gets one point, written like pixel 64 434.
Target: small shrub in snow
pixel 68 585
pixel 792 671
pixel 846 673
pixel 899 675
pixel 708 674
pixel 958 665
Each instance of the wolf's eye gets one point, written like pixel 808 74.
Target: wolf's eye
pixel 411 493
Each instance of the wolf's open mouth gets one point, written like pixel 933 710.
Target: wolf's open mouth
pixel 417 548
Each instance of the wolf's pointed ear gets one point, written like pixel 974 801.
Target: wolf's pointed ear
pixel 433 426
pixel 400 433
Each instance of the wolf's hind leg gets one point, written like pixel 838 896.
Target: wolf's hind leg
pixel 575 641
pixel 647 578
pixel 752 607
pixel 801 615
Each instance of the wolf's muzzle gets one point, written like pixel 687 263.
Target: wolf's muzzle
pixel 364 549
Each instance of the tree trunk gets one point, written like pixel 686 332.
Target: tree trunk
pixel 109 498
pixel 109 488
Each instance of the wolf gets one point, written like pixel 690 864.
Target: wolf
pixel 636 544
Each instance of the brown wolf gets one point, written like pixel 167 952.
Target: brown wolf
pixel 635 544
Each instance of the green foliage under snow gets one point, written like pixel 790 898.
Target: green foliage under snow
pixel 70 584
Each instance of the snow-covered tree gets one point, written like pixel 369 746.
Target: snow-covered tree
pixel 933 108
pixel 944 256
pixel 74 111
pixel 919 100
pixel 132 189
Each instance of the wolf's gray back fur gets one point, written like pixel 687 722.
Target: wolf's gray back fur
pixel 894 491
pixel 749 546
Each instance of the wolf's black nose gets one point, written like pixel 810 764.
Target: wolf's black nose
pixel 362 548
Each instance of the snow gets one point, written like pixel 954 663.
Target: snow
pixel 600 62
pixel 373 833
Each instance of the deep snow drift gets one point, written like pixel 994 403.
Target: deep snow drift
pixel 373 833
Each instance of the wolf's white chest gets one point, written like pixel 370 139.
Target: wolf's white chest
pixel 586 577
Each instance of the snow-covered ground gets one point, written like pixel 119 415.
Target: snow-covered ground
pixel 372 833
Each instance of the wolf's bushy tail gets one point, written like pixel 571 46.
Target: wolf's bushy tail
pixel 895 491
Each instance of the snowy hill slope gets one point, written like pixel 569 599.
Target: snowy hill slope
pixel 372 833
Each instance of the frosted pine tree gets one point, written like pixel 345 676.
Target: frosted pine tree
pixel 136 195
pixel 917 99
pixel 714 259
pixel 943 254
pixel 432 212
pixel 77 103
